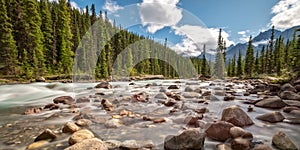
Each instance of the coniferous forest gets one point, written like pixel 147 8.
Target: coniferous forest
pixel 40 38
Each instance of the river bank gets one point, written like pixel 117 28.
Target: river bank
pixel 144 114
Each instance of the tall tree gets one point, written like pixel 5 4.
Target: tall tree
pixel 270 52
pixel 249 59
pixel 262 61
pixel 240 69
pixel 233 67
pixel 47 31
pixel 219 71
pixel 204 66
pixel 8 53
pixel 64 39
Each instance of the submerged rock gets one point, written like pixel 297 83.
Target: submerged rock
pixel 262 147
pixel 113 123
pixel 272 117
pixel 37 144
pixel 236 116
pixel 188 139
pixel 161 96
pixel 104 85
pixel 271 102
pixel 63 100
pixel 289 95
pixel 223 147
pixel 33 110
pixel 219 131
pixel 240 144
pixel 283 142
pixel 80 135
pixel 288 87
pixel 45 135
pixel 133 144
pixel 70 127
pixel 173 87
pixel 89 144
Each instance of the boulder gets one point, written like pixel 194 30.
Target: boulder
pixel 271 102
pixel 161 96
pixel 236 116
pixel 40 79
pixel 83 122
pixel 45 135
pixel 80 135
pixel 189 89
pixel 295 113
pixel 240 144
pixel 272 117
pixel 159 120
pixel 229 98
pixel 258 88
pixel 83 100
pixel 173 87
pixel 188 139
pixel 191 95
pixel 219 131
pixel 283 142
pixel 37 144
pixel 113 123
pixel 70 127
pixel 63 100
pixel 169 103
pixel 133 144
pixel 89 144
pixel 287 87
pixel 107 105
pixel 297 82
pixel 103 85
pixel 262 147
pixel 237 132
pixel 223 147
pixel 292 103
pixel 289 95
pixel 113 144
pixel 288 109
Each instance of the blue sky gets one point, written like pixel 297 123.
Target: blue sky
pixel 189 24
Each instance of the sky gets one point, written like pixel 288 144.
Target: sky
pixel 190 24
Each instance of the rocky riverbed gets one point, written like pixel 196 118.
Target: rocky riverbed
pixel 152 114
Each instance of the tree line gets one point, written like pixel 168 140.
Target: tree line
pixel 40 38
pixel 276 58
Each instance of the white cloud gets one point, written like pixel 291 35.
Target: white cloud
pixel 196 37
pixel 74 5
pixel 245 37
pixel 260 42
pixel 111 6
pixel 286 14
pixel 157 14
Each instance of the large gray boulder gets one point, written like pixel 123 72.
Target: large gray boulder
pixel 219 131
pixel 272 117
pixel 271 102
pixel 236 116
pixel 283 142
pixel 188 139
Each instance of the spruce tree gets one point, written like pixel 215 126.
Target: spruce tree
pixel 256 64
pixel 47 31
pixel 219 71
pixel 204 66
pixel 64 39
pixel 270 52
pixel 8 53
pixel 240 68
pixel 233 67
pixel 263 61
pixel 249 59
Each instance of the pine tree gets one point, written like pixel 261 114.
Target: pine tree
pixel 34 36
pixel 204 66
pixel 270 52
pixel 297 53
pixel 240 68
pixel 249 59
pixel 94 15
pixel 64 39
pixel 47 31
pixel 8 53
pixel 262 61
pixel 233 67
pixel 256 64
pixel 229 68
pixel 219 71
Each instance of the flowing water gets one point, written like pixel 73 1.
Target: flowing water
pixel 19 130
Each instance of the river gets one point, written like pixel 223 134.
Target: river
pixel 19 130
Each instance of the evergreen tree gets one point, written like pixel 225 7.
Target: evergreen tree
pixel 233 67
pixel 270 53
pixel 249 59
pixel 34 36
pixel 8 53
pixel 219 71
pixel 229 68
pixel 240 68
pixel 64 39
pixel 262 61
pixel 256 64
pixel 204 66
pixel 297 53
pixel 47 31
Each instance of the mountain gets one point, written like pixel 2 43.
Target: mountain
pixel 258 42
